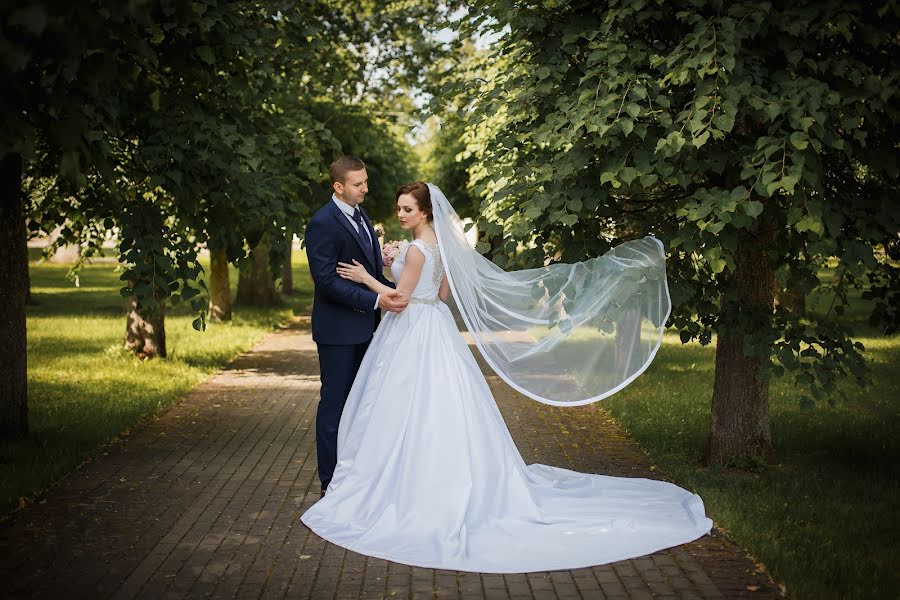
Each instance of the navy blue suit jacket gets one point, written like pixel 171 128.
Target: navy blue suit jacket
pixel 343 311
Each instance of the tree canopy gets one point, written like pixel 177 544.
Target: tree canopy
pixel 757 141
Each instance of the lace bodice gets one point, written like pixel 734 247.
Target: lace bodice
pixel 432 270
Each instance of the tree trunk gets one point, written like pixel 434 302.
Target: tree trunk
pixel 13 281
pixel 28 299
pixel 739 424
pixel 628 343
pixel 793 302
pixel 287 276
pixel 145 337
pixel 256 286
pixel 219 287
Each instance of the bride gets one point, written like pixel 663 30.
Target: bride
pixel 428 474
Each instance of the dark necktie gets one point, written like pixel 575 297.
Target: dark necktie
pixel 361 230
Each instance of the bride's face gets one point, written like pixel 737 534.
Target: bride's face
pixel 408 212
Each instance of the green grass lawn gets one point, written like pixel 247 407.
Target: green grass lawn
pixel 824 520
pixel 84 389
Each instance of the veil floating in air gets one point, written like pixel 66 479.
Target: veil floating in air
pixel 564 334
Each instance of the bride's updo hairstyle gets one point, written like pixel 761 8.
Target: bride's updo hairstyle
pixel 419 191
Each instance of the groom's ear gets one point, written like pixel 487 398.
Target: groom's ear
pixel 338 187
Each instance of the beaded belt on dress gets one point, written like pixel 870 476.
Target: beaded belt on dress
pixel 434 300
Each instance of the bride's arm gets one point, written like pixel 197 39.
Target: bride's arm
pixel 412 270
pixel 444 290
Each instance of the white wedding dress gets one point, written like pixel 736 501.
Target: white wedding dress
pixel 428 474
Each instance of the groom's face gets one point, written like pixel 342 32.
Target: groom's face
pixel 354 188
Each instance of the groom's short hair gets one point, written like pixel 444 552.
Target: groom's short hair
pixel 344 165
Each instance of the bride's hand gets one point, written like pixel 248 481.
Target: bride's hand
pixel 355 272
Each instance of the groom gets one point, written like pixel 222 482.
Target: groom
pixel 344 314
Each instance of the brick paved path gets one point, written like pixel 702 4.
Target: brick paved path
pixel 205 501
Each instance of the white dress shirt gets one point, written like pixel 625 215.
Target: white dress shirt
pixel 348 212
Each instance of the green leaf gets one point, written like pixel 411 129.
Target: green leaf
pixel 206 54
pixel 700 139
pixel 724 121
pixel 675 140
pixel 810 223
pixel 648 179
pixel 799 140
pixel 633 109
pixel 716 228
pixel 627 126
pixel 739 193
pixel 753 208
pixel 189 293
pixel 717 265
pixel 788 182
pixel 773 110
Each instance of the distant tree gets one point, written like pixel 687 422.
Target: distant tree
pixel 256 283
pixel 219 285
pixel 372 137
pixel 447 160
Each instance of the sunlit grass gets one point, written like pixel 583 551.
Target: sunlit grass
pixel 84 389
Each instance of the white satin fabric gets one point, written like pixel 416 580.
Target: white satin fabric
pixel 428 474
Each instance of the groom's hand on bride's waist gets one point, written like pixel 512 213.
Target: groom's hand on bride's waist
pixel 393 301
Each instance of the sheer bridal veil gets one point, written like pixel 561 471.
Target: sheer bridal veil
pixel 564 334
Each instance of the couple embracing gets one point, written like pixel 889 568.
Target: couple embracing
pixel 415 461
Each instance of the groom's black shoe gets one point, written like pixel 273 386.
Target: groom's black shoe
pixel 322 494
